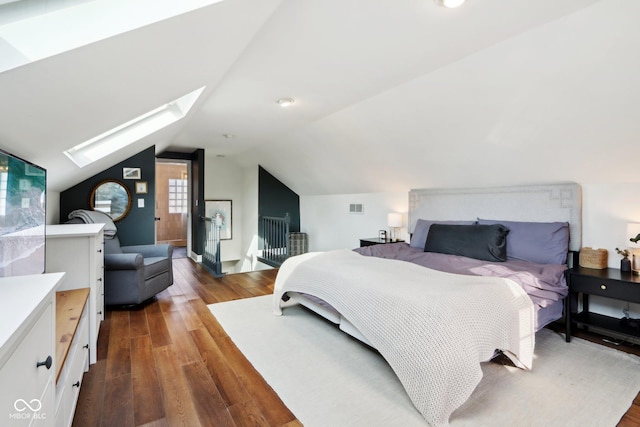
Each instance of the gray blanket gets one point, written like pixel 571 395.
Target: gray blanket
pixel 96 217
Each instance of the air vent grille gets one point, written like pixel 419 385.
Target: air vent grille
pixel 356 208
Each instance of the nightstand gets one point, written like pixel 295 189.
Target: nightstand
pixel 609 283
pixel 369 241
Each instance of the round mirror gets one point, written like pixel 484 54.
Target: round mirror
pixel 111 197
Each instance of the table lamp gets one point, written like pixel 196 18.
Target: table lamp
pixel 394 221
pixel 633 234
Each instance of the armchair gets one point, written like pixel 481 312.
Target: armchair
pixel 133 274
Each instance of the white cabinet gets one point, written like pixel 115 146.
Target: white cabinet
pixel 27 348
pixel 78 250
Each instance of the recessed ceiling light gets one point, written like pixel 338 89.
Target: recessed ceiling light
pixel 228 135
pixel 285 102
pixel 449 3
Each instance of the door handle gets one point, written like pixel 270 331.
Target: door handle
pixel 157 218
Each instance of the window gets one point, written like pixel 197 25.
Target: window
pixel 38 29
pixel 178 196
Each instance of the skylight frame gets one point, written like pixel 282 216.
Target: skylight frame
pixel 132 131
pixel 38 30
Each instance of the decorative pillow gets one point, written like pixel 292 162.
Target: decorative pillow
pixel 419 236
pixel 539 242
pixel 484 242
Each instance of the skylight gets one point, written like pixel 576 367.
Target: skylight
pixel 132 131
pixel 37 29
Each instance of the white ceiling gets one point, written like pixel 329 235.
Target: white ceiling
pixel 390 94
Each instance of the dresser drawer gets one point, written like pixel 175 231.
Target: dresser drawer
pixel 70 380
pixel 44 418
pixel 99 304
pixel 606 287
pixel 22 379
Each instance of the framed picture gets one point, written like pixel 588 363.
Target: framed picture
pixel 33 170
pixel 131 173
pixel 223 208
pixel 141 187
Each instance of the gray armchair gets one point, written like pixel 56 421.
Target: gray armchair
pixel 132 274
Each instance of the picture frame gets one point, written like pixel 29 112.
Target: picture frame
pixel 141 187
pixel 32 170
pixel 224 208
pixel 131 173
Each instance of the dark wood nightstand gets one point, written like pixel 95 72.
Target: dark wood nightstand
pixel 609 283
pixel 369 241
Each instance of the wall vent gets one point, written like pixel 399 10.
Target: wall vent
pixel 356 208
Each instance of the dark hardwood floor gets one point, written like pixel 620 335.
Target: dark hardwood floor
pixel 171 364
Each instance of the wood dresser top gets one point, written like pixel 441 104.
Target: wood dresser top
pixel 69 306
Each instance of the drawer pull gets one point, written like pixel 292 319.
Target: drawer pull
pixel 603 287
pixel 85 346
pixel 47 363
pixel 76 384
pixel 100 312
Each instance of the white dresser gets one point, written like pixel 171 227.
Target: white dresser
pixel 27 348
pixel 78 250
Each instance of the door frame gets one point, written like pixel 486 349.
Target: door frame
pixel 189 213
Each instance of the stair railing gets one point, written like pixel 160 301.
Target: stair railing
pixel 211 253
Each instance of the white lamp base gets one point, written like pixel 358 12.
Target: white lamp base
pixel 635 261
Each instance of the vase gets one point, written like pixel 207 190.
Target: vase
pixel 625 264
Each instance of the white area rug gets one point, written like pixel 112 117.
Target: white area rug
pixel 329 379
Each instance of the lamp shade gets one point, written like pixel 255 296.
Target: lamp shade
pixel 394 219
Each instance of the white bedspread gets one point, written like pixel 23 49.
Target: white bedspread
pixel 433 328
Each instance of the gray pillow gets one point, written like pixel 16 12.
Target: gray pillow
pixel 484 242
pixel 539 242
pixel 419 236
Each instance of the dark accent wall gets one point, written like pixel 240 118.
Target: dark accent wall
pixel 138 227
pixel 276 199
pixel 197 201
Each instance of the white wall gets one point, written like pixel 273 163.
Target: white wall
pixel 250 220
pixel 53 207
pixel 223 180
pixel 329 225
pixel 606 210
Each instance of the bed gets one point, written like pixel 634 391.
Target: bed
pixel 434 310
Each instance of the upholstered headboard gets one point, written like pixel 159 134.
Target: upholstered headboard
pixel 539 203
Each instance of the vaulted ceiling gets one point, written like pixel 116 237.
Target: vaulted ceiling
pixel 390 94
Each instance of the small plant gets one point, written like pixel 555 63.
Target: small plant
pixel 625 252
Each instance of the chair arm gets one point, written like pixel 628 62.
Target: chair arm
pixel 147 251
pixel 123 261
